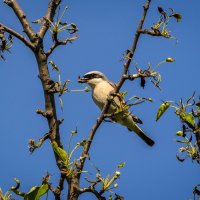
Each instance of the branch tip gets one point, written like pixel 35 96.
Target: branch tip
pixel 46 114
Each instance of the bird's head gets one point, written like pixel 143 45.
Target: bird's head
pixel 92 78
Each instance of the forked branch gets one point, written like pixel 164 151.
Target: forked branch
pixel 53 5
pixel 59 43
pixel 17 35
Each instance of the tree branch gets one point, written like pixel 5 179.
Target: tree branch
pixel 133 48
pixel 96 193
pixel 138 75
pixel 33 145
pixel 153 32
pixel 57 191
pixel 44 113
pixel 60 42
pixel 17 35
pixel 92 189
pixel 49 16
pixel 91 136
pixel 119 85
pixel 22 18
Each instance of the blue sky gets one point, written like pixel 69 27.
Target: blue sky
pixel 107 29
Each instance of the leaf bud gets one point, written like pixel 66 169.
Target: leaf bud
pixel 117 173
pixel 180 133
pixel 170 60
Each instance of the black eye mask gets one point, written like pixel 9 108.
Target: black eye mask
pixel 90 76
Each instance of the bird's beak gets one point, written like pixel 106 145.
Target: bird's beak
pixel 82 79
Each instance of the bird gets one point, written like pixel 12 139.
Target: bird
pixel 102 88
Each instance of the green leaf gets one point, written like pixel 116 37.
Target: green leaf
pixel 42 190
pixel 163 107
pixel 121 165
pixel 73 25
pixel 188 118
pixel 86 89
pixel 180 133
pixel 110 197
pixel 82 143
pixel 74 132
pixel 32 193
pixel 60 152
pixel 161 11
pixel 64 87
pixel 158 24
pixel 36 192
pixel 54 66
pixel 177 16
pixel 169 60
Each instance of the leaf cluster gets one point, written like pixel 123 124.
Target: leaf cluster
pixel 5 43
pixel 161 27
pixel 69 166
pixel 34 193
pixel 189 115
pixel 58 26
pixel 150 72
pixel 107 184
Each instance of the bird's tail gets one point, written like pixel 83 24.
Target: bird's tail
pixel 135 128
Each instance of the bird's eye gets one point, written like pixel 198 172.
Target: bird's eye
pixel 96 76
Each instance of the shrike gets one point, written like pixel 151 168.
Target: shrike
pixel 101 90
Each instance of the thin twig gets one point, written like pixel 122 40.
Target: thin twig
pixel 138 75
pixel 92 190
pixel 33 145
pixel 58 43
pixel 154 32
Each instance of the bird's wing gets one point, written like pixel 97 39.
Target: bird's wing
pixel 112 84
pixel 120 103
pixel 117 103
pixel 136 119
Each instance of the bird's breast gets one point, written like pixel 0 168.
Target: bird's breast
pixel 100 93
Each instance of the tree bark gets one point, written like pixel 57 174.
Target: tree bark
pixel 73 188
pixel 49 100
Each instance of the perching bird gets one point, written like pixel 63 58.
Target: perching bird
pixel 101 90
